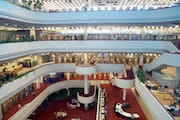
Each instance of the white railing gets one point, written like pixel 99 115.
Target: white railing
pixel 154 106
pixel 17 85
pixel 26 111
pixel 88 99
pixel 98 103
pixel 10 89
pixel 11 50
pixel 86 70
pixel 123 83
pixel 13 12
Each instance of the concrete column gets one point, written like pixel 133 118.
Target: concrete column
pixel 68 91
pixel 68 75
pixel 38 84
pixel 86 106
pixel 94 76
pixel 86 84
pixel 85 59
pixel 178 75
pixel 142 33
pixel 1 114
pixel 141 60
pixel 33 33
pixel 86 89
pixel 19 2
pixel 85 33
pixel 125 73
pixel 124 94
pixel 144 4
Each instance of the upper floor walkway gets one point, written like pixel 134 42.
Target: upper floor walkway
pixel 12 50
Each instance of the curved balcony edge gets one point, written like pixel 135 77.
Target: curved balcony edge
pixel 11 50
pixel 10 89
pixel 86 100
pixel 156 108
pixel 13 12
pixel 123 83
pixel 85 70
pixel 26 111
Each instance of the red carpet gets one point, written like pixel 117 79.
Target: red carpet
pixel 114 95
pixel 24 101
pixel 55 106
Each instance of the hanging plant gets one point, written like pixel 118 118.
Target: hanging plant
pixel 29 3
pixel 37 5
pixel 140 75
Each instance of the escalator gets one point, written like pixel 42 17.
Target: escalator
pixel 165 60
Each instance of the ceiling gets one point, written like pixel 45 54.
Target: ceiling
pixel 70 5
pixel 94 5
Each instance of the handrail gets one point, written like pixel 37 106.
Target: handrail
pixel 156 109
pixel 9 51
pixel 13 12
pixel 123 83
pixel 20 83
pixel 98 103
pixel 86 100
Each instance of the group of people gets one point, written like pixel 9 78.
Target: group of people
pixel 60 115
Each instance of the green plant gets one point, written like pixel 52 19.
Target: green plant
pixel 140 75
pixel 37 5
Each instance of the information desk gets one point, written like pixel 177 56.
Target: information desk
pixel 118 108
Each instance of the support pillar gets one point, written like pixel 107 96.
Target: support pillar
pixel 125 73
pixel 124 94
pixel 33 33
pixel 94 76
pixel 18 2
pixel 86 85
pixel 177 76
pixel 38 84
pixel 86 89
pixel 141 60
pixel 1 114
pixel 86 106
pixel 68 76
pixel 144 4
pixel 68 92
pixel 85 33
pixel 85 59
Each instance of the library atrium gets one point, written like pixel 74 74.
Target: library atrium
pixel 89 59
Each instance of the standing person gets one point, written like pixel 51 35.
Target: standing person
pixel 19 106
